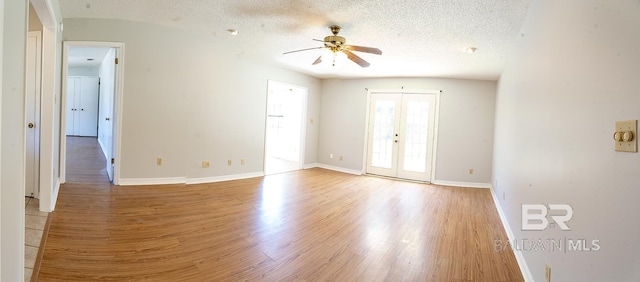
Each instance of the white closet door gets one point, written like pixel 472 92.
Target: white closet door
pixel 87 107
pixel 71 103
pixel 82 106
pixel 32 115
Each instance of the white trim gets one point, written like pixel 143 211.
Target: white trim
pixel 303 121
pixel 340 169
pixel 45 13
pixel 104 152
pixel 461 184
pixel 49 206
pixel 310 166
pixel 224 178
pixel 152 181
pixel 436 121
pixel 365 154
pixel 187 181
pixel 117 107
pixel 4 224
pixel 50 66
pixel 522 263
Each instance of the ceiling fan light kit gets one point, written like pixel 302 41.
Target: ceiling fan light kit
pixel 337 44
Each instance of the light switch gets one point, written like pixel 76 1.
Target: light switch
pixel 625 136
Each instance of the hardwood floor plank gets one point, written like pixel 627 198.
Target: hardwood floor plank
pixel 308 225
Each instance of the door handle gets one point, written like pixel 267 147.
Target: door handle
pixel 107 119
pixel 395 141
pixel 30 125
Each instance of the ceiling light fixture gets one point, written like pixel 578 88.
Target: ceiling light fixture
pixel 472 50
pixel 232 31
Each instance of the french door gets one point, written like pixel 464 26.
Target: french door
pixel 400 135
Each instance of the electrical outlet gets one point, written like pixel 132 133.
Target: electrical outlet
pixel 340 157
pixel 229 162
pixel 159 161
pixel 242 161
pixel 471 171
pixel 547 273
pixel 331 156
pixel 205 164
pixel 310 120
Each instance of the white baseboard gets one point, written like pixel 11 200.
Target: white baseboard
pixel 526 273
pixel 54 197
pixel 461 184
pixel 340 169
pixel 184 180
pixel 224 178
pixel 151 181
pixel 309 166
pixel 104 152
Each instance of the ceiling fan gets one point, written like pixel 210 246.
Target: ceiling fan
pixel 335 44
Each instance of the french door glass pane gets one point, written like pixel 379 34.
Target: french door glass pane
pixel 382 147
pixel 416 131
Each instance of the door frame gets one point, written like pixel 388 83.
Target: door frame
pixel 303 122
pixel 37 111
pixel 117 105
pixel 435 122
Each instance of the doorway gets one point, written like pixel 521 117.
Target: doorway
pixel 92 88
pixel 400 135
pixel 285 127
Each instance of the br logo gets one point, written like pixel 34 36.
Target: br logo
pixel 536 217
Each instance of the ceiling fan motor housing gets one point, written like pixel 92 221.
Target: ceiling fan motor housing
pixel 334 41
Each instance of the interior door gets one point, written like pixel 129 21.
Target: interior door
pixel 32 115
pixel 71 105
pixel 106 112
pixel 87 109
pixel 400 138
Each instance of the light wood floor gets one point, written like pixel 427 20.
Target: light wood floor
pixel 314 225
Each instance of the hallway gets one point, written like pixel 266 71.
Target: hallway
pixel 85 171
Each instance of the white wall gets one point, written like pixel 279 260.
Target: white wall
pixel 107 84
pixel 465 137
pixel 34 21
pixel 188 98
pixel 50 15
pixel 574 73
pixel 12 139
pixel 83 71
pixel 2 265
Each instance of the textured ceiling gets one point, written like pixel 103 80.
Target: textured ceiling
pixel 417 38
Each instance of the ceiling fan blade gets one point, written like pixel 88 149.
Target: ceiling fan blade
pixel 356 59
pixel 302 50
pixel 317 61
pixel 364 49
